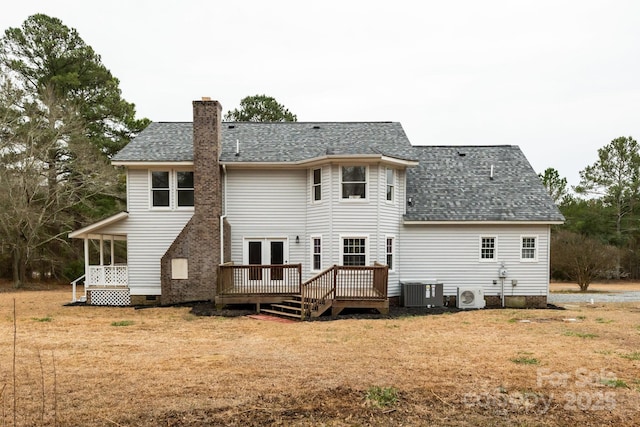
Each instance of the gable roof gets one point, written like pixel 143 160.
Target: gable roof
pixel 454 183
pixel 270 142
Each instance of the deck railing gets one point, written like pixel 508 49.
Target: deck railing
pixel 259 279
pixel 344 282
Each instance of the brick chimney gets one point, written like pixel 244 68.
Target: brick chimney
pixel 198 245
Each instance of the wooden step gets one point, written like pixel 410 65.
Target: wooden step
pixel 287 307
pixel 280 313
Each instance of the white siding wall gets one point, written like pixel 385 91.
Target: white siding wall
pixel 267 204
pixel 451 254
pixel 278 203
pixel 149 234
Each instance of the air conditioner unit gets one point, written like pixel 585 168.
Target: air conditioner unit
pixel 470 297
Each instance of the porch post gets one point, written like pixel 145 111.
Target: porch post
pixel 113 256
pixel 86 264
pixel 101 250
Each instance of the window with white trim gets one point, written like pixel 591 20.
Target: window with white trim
pixel 354 251
pixel 185 188
pixel 529 248
pixel 354 182
pixel 171 189
pixel 389 252
pixel 390 184
pixel 316 253
pixel 488 248
pixel 317 185
pixel 160 189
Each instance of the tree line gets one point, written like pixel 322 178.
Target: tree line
pixel 600 238
pixel 62 117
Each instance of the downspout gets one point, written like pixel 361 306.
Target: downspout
pixel 224 213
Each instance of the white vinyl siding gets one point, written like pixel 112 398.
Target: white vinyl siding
pixel 268 204
pixel 149 233
pixel 449 254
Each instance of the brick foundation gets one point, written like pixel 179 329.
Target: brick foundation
pixel 494 301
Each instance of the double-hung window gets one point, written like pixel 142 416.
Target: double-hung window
pixel 171 189
pixel 185 188
pixel 488 248
pixel 160 189
pixel 317 185
pixel 316 253
pixel 389 252
pixel 390 184
pixel 354 182
pixel 354 251
pixel 529 248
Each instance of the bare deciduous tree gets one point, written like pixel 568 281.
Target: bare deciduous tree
pixel 47 169
pixel 580 258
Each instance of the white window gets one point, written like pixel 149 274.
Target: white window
pixel 160 189
pixel 390 184
pixel 316 253
pixel 389 252
pixel 488 248
pixel 354 251
pixel 185 188
pixel 171 189
pixel 317 185
pixel 354 182
pixel 529 248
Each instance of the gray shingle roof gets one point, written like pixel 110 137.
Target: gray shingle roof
pixel 453 183
pixel 445 186
pixel 270 142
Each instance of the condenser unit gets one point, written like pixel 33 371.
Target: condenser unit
pixel 470 297
pixel 422 294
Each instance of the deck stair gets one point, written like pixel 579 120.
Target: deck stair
pixel 290 308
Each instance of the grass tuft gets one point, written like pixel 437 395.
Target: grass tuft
pixel 631 356
pixel 615 383
pixel 601 320
pixel 43 319
pixel 523 360
pixel 123 323
pixel 579 334
pixel 382 396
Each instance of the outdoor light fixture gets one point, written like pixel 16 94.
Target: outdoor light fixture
pixel 297 239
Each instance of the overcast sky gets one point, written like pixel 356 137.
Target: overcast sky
pixel 558 78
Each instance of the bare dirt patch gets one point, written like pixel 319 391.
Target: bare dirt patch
pixel 108 366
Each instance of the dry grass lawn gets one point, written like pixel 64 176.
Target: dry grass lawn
pixel 104 366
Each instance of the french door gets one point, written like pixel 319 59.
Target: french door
pixel 266 252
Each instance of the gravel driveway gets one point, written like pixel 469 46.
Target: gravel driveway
pixel 597 297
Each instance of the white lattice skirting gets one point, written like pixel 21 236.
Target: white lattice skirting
pixel 114 297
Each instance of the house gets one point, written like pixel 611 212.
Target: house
pixel 250 212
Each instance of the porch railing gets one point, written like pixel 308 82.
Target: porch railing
pixel 107 276
pixel 259 279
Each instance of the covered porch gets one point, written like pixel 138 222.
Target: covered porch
pixel 106 276
pixel 281 286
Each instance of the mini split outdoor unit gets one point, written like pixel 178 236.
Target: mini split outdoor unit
pixel 470 297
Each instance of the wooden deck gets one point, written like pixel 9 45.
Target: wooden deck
pixel 337 287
